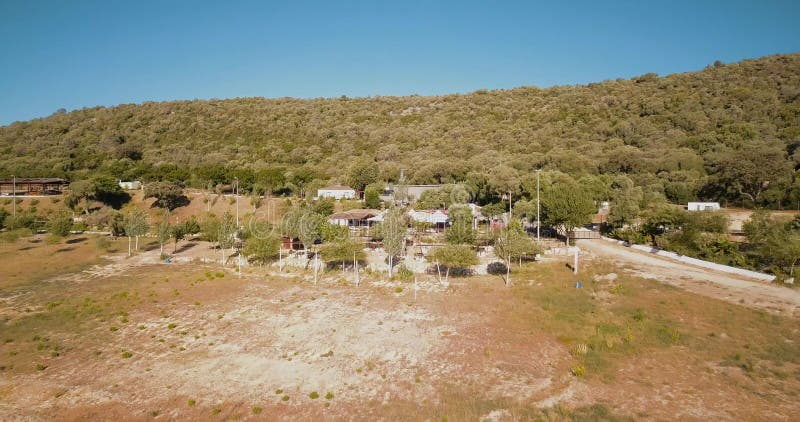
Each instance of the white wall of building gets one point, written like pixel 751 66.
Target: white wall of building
pixel 336 193
pixel 703 206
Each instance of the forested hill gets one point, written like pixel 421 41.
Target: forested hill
pixel 729 131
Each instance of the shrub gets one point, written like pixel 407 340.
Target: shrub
pixel 329 396
pixel 102 243
pixel 497 268
pixel 256 410
pixel 126 354
pixel 12 236
pixel 578 370
pixel 313 395
pixel 403 273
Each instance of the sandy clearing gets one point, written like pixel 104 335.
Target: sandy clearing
pixel 727 287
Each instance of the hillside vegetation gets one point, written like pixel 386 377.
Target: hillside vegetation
pixel 729 132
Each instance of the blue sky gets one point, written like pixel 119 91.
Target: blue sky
pixel 74 54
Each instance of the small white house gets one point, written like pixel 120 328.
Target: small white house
pixel 134 185
pixel 337 192
pixel 702 206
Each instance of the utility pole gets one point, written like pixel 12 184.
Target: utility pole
pixel 14 193
pixel 236 195
pixel 355 269
pixel 538 211
pixel 509 208
pixel 575 264
pixel 316 267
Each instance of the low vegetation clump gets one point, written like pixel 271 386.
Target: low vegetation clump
pixel 497 268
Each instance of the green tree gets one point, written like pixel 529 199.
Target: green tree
pixel 393 230
pixel 262 247
pixel 512 243
pixel 3 215
pixel 168 195
pixel 660 219
pixel 504 180
pixel 323 206
pixel 453 256
pixel 493 210
pixel 186 228
pixel 163 233
pixel 363 173
pixel 226 236
pixel 334 232
pixel 372 197
pixel 749 171
pixel 102 189
pixel 210 228
pixel 566 206
pixel 59 223
pixel 772 243
pixel 343 251
pixel 460 230
pixel 135 225
pixel 625 200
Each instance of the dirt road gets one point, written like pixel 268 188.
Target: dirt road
pixel 719 285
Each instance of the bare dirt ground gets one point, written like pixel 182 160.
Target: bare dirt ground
pixel 135 338
pixel 715 284
pixel 738 216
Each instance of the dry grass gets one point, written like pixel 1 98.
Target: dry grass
pixel 32 259
pixel 474 350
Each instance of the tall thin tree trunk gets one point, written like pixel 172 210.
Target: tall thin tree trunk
pixel 137 243
pixel 508 272
pixel 129 246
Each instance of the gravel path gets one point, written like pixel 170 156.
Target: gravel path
pixel 727 287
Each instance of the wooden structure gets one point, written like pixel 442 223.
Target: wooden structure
pixel 32 186
pixel 354 219
pixel 583 233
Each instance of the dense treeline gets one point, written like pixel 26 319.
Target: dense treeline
pixel 728 132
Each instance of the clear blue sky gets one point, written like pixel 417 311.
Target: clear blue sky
pixel 74 54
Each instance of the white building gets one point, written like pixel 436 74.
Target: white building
pixel 130 185
pixel 337 192
pixel 702 206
